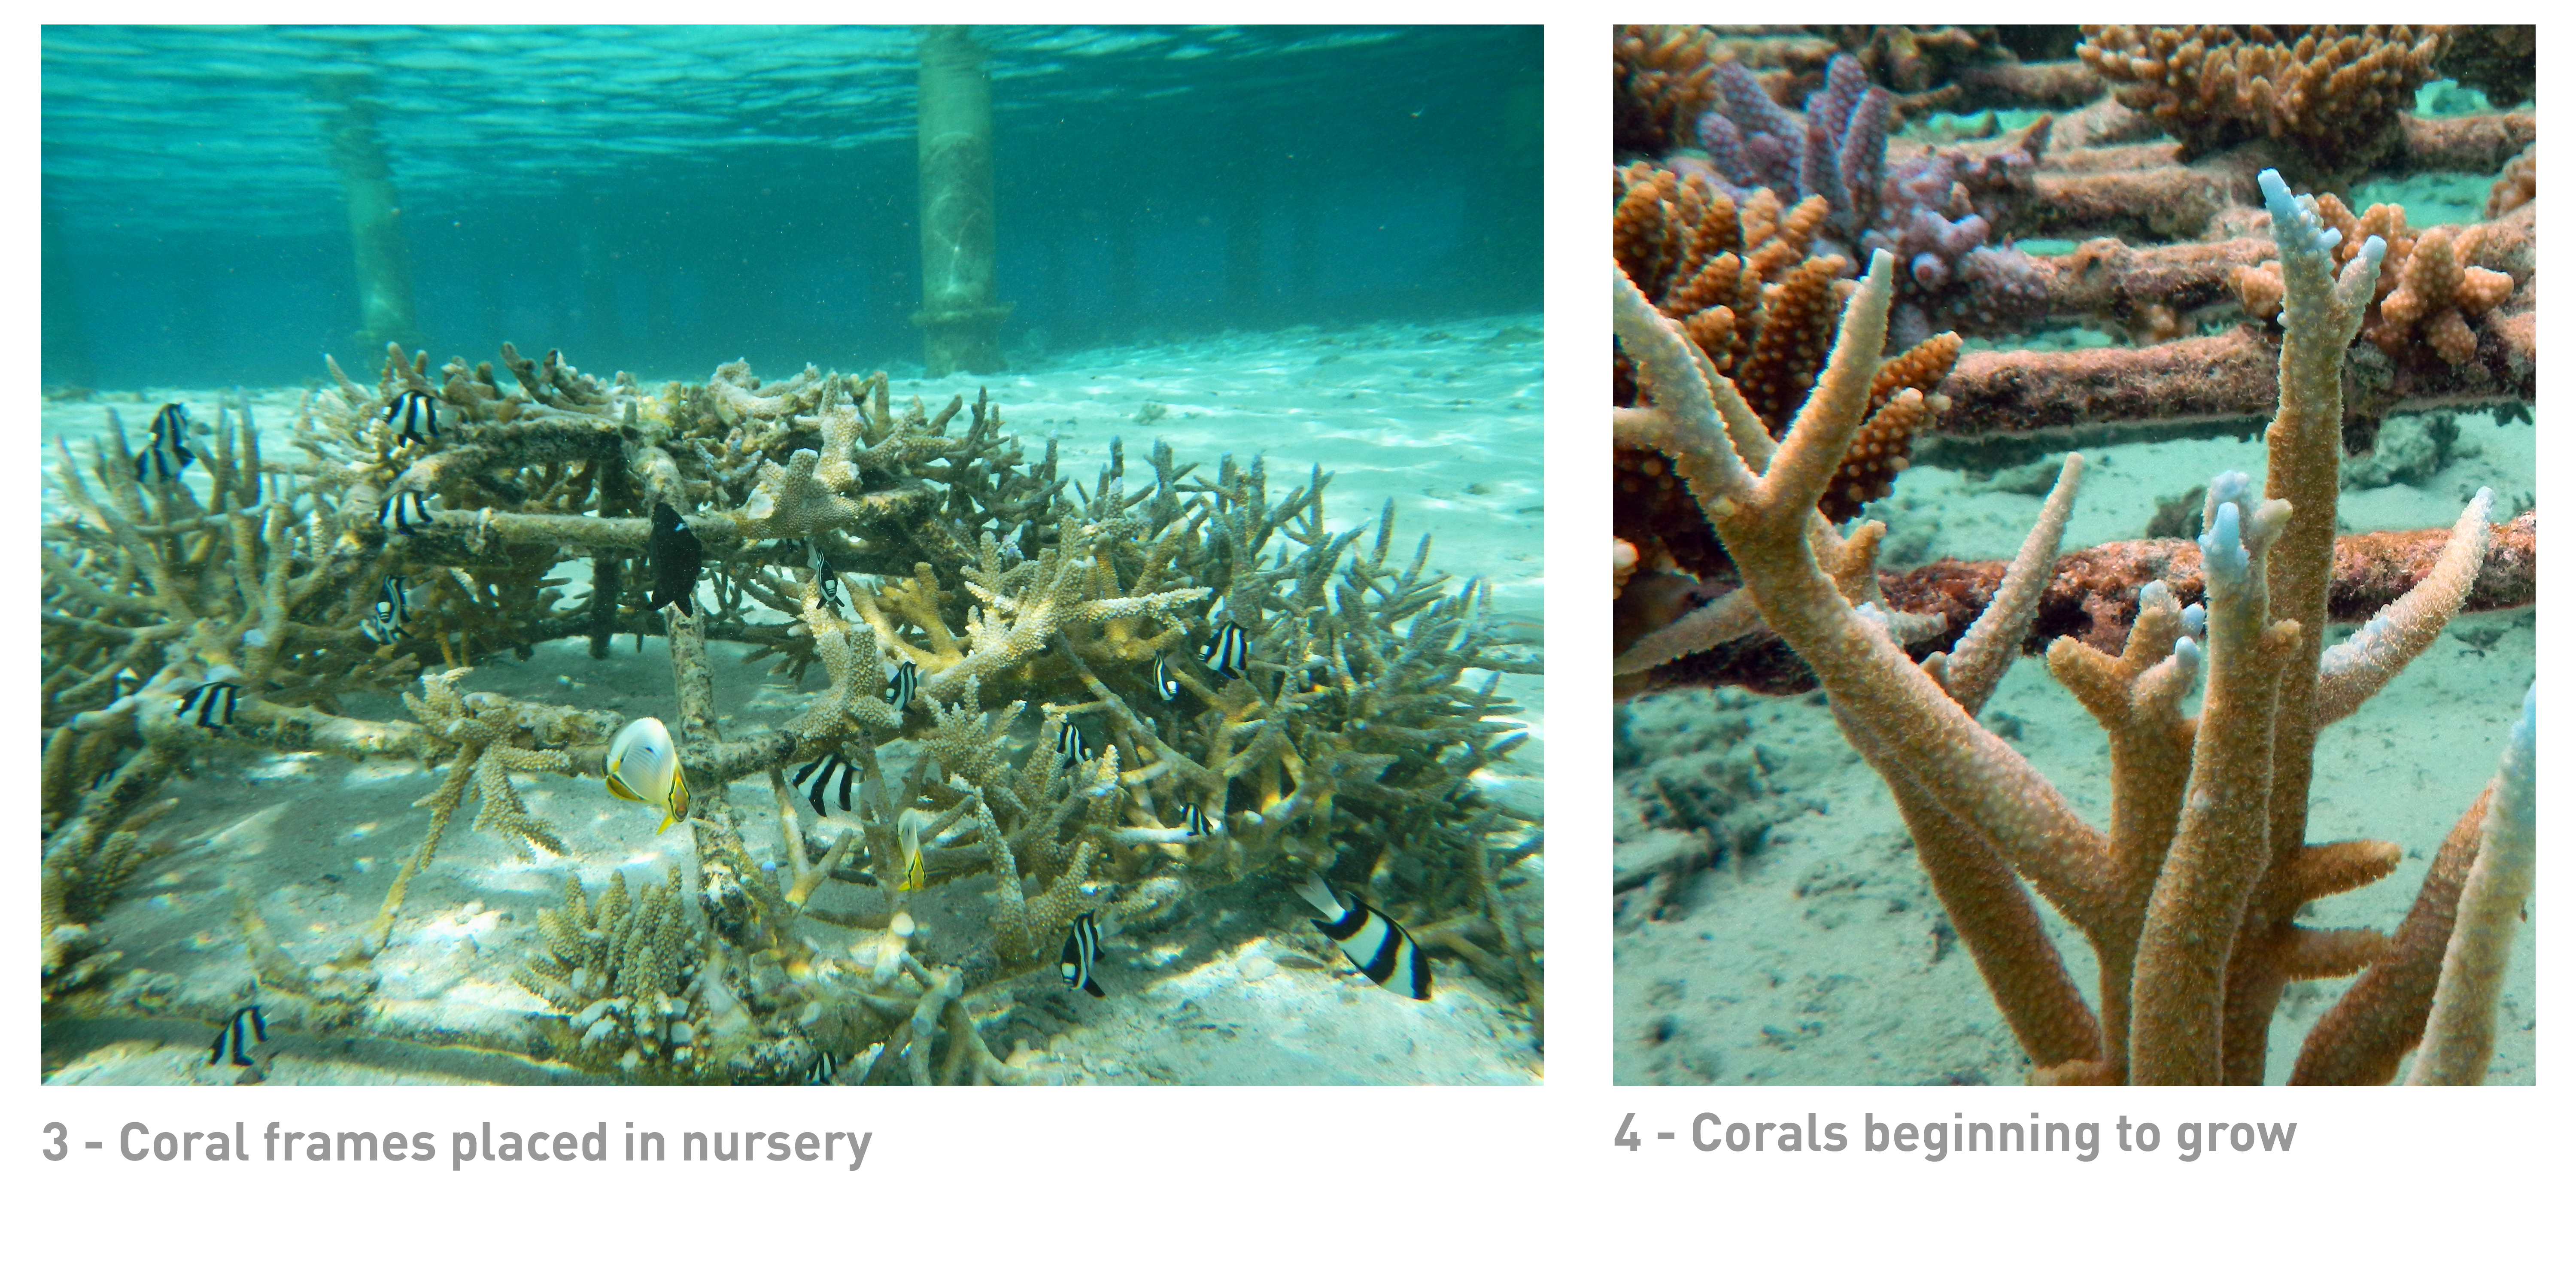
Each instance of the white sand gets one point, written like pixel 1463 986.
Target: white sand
pixel 1240 989
pixel 1823 958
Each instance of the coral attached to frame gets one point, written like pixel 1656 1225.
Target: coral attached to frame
pixel 837 529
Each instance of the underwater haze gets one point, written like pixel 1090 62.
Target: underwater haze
pixel 677 197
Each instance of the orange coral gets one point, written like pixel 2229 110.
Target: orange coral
pixel 1661 82
pixel 1738 278
pixel 2428 288
pixel 2518 185
pixel 2437 294
pixel 2333 92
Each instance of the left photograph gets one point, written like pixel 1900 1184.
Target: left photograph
pixel 844 556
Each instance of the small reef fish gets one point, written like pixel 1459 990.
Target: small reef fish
pixel 1372 940
pixel 1081 949
pixel 819 1073
pixel 826 586
pixel 1070 746
pixel 1227 653
pixel 417 412
pixel 212 704
pixel 1164 681
pixel 246 1028
pixel 125 681
pixel 676 555
pixel 907 832
pixel 393 608
pixel 403 512
pixel 821 772
pixel 905 682
pixel 1197 821
pixel 168 452
pixel 644 767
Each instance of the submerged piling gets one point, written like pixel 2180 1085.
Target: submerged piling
pixel 960 321
pixel 380 254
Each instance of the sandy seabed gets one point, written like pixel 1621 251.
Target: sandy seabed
pixel 1443 419
pixel 1810 950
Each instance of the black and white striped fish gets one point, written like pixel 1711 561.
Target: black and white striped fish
pixel 826 586
pixel 418 414
pixel 1069 745
pixel 1165 683
pixel 393 608
pixel 1081 950
pixel 819 1073
pixel 212 704
pixel 1372 940
pixel 168 453
pixel 1197 820
pixel 900 686
pixel 1227 653
pixel 821 772
pixel 244 1030
pixel 404 511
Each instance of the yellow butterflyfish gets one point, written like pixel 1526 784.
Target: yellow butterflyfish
pixel 908 830
pixel 644 767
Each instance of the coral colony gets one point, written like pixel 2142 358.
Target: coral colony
pixel 1766 397
pixel 1104 698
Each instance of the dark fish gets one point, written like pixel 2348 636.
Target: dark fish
pixel 821 772
pixel 418 414
pixel 393 608
pixel 676 554
pixel 1081 949
pixel 404 511
pixel 1164 682
pixel 168 452
pixel 905 682
pixel 1196 819
pixel 1372 940
pixel 826 586
pixel 1070 746
pixel 1227 653
pixel 244 1030
pixel 212 704
pixel 819 1073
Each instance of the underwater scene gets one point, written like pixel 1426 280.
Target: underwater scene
pixel 2191 368
pixel 792 555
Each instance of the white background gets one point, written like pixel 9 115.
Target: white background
pixel 1325 1186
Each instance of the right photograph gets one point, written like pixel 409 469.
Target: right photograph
pixel 2075 554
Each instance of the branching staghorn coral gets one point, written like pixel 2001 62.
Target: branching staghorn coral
pixel 842 530
pixel 2190 897
pixel 2171 255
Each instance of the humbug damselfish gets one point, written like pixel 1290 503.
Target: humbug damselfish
pixel 1372 940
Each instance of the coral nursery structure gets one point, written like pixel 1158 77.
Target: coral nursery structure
pixel 1021 693
pixel 1775 273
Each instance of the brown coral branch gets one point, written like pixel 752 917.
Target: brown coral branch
pixel 2183 388
pixel 2092 595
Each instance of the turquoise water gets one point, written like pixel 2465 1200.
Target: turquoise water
pixel 664 199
